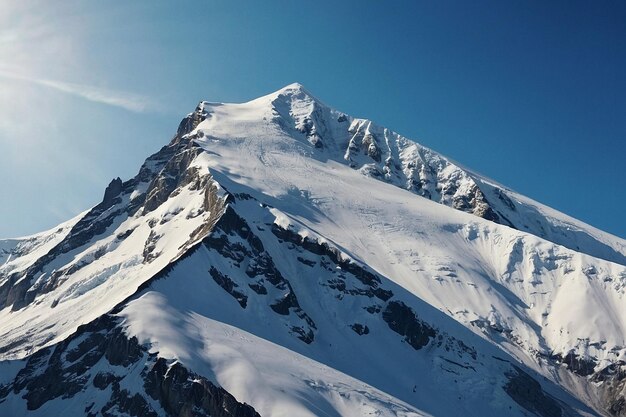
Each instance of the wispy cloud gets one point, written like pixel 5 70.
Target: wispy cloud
pixel 128 101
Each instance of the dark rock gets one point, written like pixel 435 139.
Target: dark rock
pixel 123 401
pixel 263 265
pixel 373 309
pixel 306 335
pixel 229 286
pixel 88 344
pixel 125 234
pixel 401 319
pixel 171 176
pixel 248 253
pixel 182 393
pixel 306 261
pixel 287 302
pixel 258 288
pixel 372 281
pixel 360 329
pixel 576 364
pixel 614 371
pixel 64 371
pixel 611 384
pixel 121 350
pixel 149 246
pixel 190 122
pixel 113 190
pixel 527 392
pixel 103 379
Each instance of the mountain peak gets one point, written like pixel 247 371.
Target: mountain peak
pixel 294 91
pixel 267 230
pixel 293 88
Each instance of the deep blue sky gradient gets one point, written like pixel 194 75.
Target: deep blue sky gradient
pixel 531 94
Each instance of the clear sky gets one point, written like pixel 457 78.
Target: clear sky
pixel 529 93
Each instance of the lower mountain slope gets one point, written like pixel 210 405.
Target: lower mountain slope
pixel 257 319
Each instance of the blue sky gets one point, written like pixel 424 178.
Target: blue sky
pixel 531 94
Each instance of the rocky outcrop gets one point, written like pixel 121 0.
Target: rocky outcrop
pixel 386 156
pixel 184 393
pixel 371 282
pixel 230 287
pixel 191 121
pixel 174 174
pixel 402 319
pixel 113 190
pixel 527 392
pixel 165 173
pixel 575 363
pixel 234 239
pixel 610 383
pixel 102 356
pixel 360 329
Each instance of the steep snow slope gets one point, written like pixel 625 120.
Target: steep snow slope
pixel 17 254
pixel 383 154
pixel 254 234
pixel 356 322
pixel 102 258
pixel 493 278
pixel 410 240
pixel 334 316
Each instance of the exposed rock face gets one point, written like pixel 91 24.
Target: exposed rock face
pixel 371 283
pixel 112 191
pixel 611 386
pixel 384 155
pixel 182 393
pixel 576 364
pixel 102 356
pixel 165 173
pixel 528 393
pixel 402 320
pixel 231 287
pixel 234 239
pixel 191 121
pixel 360 329
pixel 173 174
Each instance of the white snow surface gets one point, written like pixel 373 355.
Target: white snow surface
pixel 17 254
pixel 109 269
pixel 511 278
pixel 277 381
pixel 520 294
pixel 547 298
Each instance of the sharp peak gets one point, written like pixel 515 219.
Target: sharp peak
pixel 294 91
pixel 293 87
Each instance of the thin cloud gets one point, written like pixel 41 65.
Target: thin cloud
pixel 128 101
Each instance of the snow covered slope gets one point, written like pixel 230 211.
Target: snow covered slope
pixel 18 254
pixel 282 258
pixel 386 155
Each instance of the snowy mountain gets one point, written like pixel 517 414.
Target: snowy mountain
pixel 281 258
